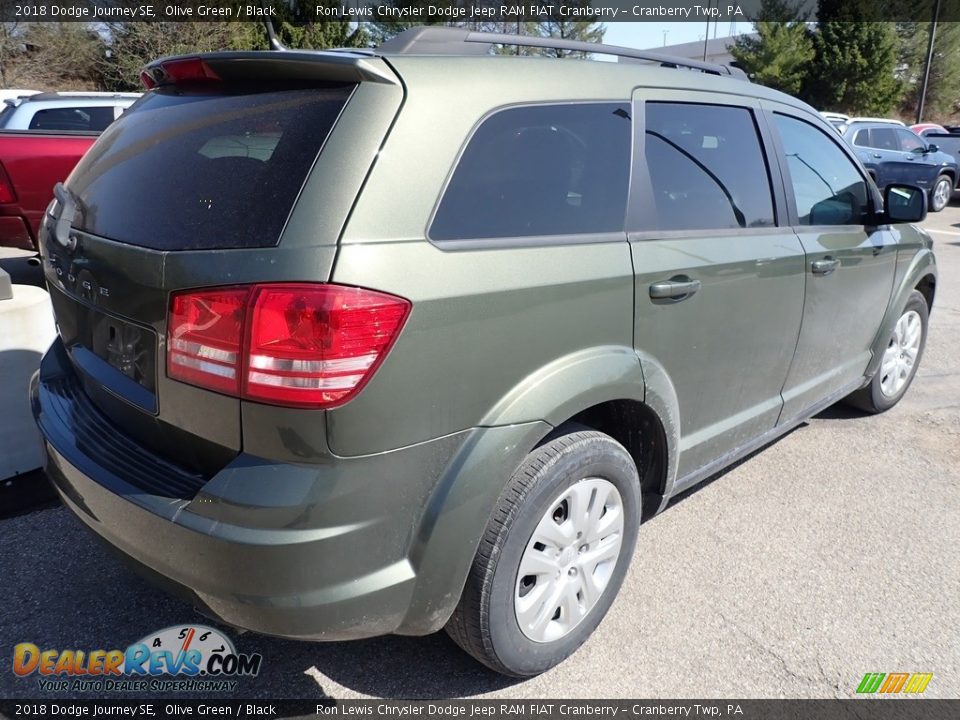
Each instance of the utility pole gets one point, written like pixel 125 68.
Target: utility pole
pixel 706 38
pixel 926 72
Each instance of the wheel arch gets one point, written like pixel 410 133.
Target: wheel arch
pixel 595 387
pixel 921 275
pixel 613 389
pixel 928 288
pixel 640 430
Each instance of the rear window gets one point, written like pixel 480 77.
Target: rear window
pixel 187 170
pixel 75 119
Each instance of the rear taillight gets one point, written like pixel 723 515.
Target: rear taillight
pixel 296 344
pixel 6 187
pixel 204 334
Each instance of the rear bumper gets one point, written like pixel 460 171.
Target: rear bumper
pixel 317 552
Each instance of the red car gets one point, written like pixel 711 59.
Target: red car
pixel 927 128
pixel 31 164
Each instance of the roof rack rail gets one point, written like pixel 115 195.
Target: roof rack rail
pixel 460 41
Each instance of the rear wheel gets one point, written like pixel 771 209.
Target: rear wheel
pixel 941 193
pixel 900 359
pixel 553 556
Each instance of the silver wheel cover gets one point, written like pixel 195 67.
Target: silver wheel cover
pixel 569 559
pixel 900 357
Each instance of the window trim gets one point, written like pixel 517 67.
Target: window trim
pixel 640 203
pixel 771 109
pixel 509 241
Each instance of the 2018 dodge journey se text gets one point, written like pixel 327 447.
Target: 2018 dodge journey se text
pixel 354 343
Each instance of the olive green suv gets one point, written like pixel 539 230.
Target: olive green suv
pixel 354 343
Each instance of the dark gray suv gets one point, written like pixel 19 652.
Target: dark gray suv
pixel 349 346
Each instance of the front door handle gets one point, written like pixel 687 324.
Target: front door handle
pixel 825 266
pixel 676 288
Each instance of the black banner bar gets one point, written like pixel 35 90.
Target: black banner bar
pixel 875 709
pixel 458 11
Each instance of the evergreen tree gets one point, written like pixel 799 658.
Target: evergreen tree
pixel 855 59
pixel 570 30
pixel 295 31
pixel 943 88
pixel 779 54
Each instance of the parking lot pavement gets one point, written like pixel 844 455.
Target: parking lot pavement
pixel 829 554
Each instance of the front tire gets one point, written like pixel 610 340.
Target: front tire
pixel 901 358
pixel 553 556
pixel 941 193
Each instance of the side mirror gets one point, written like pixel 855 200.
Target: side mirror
pixel 904 204
pixel 933 148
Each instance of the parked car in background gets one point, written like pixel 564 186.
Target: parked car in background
pixel 31 163
pixel 927 128
pixel 946 142
pixel 894 154
pixel 835 119
pixel 853 121
pixel 12 93
pixel 42 137
pixel 65 111
pixel 258 392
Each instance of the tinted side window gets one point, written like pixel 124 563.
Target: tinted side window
pixel 540 170
pixel 862 138
pixel 85 119
pixel 826 184
pixel 707 167
pixel 909 141
pixel 883 139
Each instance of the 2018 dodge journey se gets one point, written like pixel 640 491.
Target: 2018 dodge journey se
pixel 354 343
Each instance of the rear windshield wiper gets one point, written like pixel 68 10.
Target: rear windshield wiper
pixel 68 210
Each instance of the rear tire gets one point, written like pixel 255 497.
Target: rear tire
pixel 901 358
pixel 941 193
pixel 568 521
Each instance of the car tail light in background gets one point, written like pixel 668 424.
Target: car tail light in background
pixel 6 187
pixel 292 344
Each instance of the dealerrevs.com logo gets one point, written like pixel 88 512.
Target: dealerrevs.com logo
pixel 180 658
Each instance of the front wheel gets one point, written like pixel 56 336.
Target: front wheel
pixel 900 359
pixel 940 195
pixel 553 556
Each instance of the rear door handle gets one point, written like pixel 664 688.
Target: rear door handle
pixel 678 288
pixel 825 266
pixel 877 155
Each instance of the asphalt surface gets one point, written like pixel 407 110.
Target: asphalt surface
pixel 828 554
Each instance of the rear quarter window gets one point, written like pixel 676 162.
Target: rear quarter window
pixel 186 170
pixel 540 170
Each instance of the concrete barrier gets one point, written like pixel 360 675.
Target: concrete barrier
pixel 26 331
